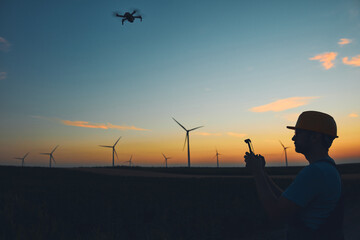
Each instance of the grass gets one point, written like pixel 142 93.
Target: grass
pixel 41 203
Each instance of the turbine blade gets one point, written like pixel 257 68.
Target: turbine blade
pixel 117 141
pixel 185 140
pixel 180 124
pixel 105 146
pixel 18 158
pixel 282 144
pixel 26 155
pixel 195 128
pixel 163 155
pixel 45 153
pixel 116 154
pixel 51 157
pixel 55 149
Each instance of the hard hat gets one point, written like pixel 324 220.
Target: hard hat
pixel 317 122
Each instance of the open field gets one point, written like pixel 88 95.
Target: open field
pixel 146 203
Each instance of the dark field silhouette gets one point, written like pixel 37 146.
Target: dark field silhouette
pixel 146 203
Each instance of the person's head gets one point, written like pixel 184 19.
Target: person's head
pixel 306 141
pixel 314 131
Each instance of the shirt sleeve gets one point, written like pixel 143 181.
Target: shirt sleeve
pixel 305 187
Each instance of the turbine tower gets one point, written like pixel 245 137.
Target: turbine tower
pixel 166 158
pixel 217 158
pixel 113 152
pixel 51 156
pixel 22 159
pixel 187 139
pixel 286 161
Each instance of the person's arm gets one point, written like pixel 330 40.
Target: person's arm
pixel 276 206
pixel 274 187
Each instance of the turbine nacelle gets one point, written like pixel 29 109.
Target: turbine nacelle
pixel 113 148
pixel 286 161
pixel 166 158
pixel 217 157
pixel 187 138
pixel 22 159
pixel 51 157
pixel 129 161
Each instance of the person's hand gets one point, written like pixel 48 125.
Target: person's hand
pixel 255 163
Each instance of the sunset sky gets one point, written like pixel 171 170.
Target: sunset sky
pixel 72 75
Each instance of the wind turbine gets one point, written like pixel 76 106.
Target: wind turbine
pixel 217 158
pixel 51 155
pixel 129 161
pixel 187 138
pixel 286 161
pixel 166 158
pixel 113 152
pixel 22 159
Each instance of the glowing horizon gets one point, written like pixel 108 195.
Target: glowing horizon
pixel 149 153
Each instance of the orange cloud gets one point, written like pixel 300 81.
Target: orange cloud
pixel 344 41
pixel 100 125
pixel 355 61
pixel 239 135
pixel 353 115
pixel 3 75
pixel 283 104
pixel 207 134
pixel 326 59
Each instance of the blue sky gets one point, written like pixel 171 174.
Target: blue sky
pixel 204 63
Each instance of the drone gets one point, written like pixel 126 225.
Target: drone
pixel 128 17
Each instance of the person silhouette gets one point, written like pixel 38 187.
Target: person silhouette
pixel 312 205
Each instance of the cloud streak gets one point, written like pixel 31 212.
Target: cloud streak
pixel 3 75
pixel 344 41
pixel 100 125
pixel 283 104
pixel 4 45
pixel 353 115
pixel 355 61
pixel 91 125
pixel 326 59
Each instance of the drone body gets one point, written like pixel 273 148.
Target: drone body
pixel 128 17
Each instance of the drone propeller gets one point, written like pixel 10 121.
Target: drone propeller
pixel 134 10
pixel 117 14
pixel 137 12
